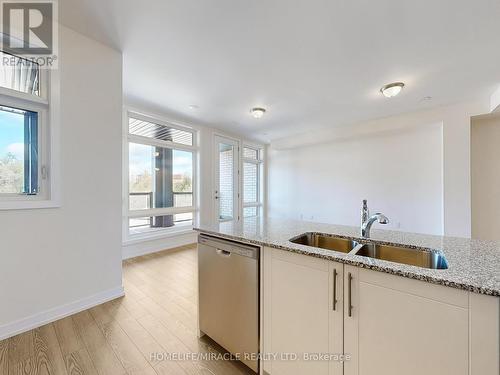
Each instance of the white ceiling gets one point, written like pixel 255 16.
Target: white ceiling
pixel 311 63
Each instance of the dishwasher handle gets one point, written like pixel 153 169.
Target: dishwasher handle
pixel 223 253
pixel 229 247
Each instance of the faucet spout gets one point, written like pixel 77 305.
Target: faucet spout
pixel 381 218
pixel 367 222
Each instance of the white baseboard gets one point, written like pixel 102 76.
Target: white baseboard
pixel 51 315
pixel 136 249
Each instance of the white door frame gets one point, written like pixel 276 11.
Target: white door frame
pixel 236 183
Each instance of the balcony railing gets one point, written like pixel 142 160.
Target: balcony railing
pixel 144 200
pixel 183 199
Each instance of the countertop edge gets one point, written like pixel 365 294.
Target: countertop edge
pixel 360 264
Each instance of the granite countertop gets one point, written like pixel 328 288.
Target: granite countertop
pixel 473 265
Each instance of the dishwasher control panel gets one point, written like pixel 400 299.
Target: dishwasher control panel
pixel 230 247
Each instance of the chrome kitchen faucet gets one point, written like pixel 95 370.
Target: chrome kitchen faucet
pixel 367 220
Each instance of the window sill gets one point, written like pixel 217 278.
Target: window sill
pixel 29 204
pixel 138 238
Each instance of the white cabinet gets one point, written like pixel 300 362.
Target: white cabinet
pixel 402 326
pixel 300 318
pixel 484 341
pixel 387 324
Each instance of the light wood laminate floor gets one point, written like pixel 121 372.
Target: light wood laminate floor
pixel 157 315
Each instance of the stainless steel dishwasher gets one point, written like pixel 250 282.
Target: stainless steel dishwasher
pixel 229 296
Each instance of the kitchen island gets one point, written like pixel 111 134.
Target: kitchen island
pixel 380 316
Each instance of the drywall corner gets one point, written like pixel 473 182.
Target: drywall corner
pixel 495 101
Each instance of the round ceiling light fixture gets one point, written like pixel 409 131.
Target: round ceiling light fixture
pixel 392 89
pixel 258 112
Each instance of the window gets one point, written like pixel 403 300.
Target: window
pixel 25 144
pixel 161 164
pixel 19 158
pixel 250 153
pixel 252 172
pixel 160 177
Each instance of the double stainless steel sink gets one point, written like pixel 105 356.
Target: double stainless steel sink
pixel 322 241
pixel 420 257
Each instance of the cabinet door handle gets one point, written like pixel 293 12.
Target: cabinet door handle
pixel 334 289
pixel 349 294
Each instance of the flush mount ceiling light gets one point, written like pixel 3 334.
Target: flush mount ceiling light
pixel 392 89
pixel 258 112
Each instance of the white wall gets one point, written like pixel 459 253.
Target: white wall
pixel 53 261
pixel 400 174
pixel 135 248
pixel 456 184
pixel 485 157
pixel 495 101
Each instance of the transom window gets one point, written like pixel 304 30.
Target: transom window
pixel 161 164
pixel 20 75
